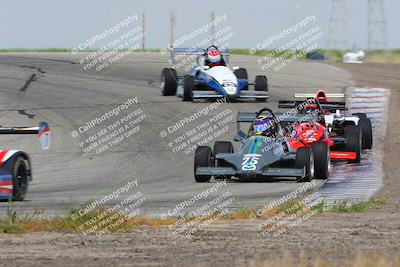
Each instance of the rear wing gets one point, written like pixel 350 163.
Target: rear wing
pixel 330 106
pixel 43 132
pixel 333 106
pixel 313 95
pixel 246 116
pixel 195 51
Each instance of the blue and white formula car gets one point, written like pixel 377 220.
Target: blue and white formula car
pixel 211 78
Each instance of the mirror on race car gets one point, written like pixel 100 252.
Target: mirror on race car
pixel 44 135
pixel 239 136
pixel 235 68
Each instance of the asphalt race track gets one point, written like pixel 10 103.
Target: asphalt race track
pixel 54 88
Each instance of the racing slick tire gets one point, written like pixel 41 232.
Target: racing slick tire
pixel 322 160
pixel 20 177
pixel 202 158
pixel 222 147
pixel 169 81
pixel 261 84
pixel 188 88
pixel 360 115
pixel 305 158
pixel 353 141
pixel 241 73
pixel 366 129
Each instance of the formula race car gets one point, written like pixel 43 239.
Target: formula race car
pixel 15 166
pixel 335 115
pixel 266 151
pixel 211 78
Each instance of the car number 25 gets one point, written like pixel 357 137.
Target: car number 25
pixel 250 162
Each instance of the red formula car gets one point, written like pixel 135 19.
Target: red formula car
pixel 314 129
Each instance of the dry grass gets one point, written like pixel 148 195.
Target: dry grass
pixel 39 223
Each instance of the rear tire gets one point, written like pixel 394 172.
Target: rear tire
pixel 322 160
pixel 222 147
pixel 261 84
pixel 188 88
pixel 353 141
pixel 169 81
pixel 202 158
pixel 241 73
pixel 305 158
pixel 20 177
pixel 366 129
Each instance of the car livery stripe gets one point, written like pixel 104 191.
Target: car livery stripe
pixel 2 156
pixel 5 155
pixel 6 186
pixel 254 147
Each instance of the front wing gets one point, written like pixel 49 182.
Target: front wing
pixel 243 94
pixel 267 172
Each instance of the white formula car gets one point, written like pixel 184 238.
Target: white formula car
pixel 211 78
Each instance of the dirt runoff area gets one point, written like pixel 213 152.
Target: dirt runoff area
pixel 329 237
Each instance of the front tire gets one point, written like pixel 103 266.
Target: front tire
pixel 202 158
pixel 20 177
pixel 305 158
pixel 261 84
pixel 169 82
pixel 188 88
pixel 241 73
pixel 366 129
pixel 322 160
pixel 353 141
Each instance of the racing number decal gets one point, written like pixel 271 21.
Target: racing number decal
pixel 250 162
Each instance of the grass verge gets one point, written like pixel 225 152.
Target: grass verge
pixel 373 56
pixel 117 222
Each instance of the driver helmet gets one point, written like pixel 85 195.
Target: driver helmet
pixel 214 57
pixel 264 126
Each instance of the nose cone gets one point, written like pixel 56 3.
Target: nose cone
pixel 259 152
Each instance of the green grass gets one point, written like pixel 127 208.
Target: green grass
pixel 348 207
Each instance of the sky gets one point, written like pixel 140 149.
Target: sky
pixel 66 24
